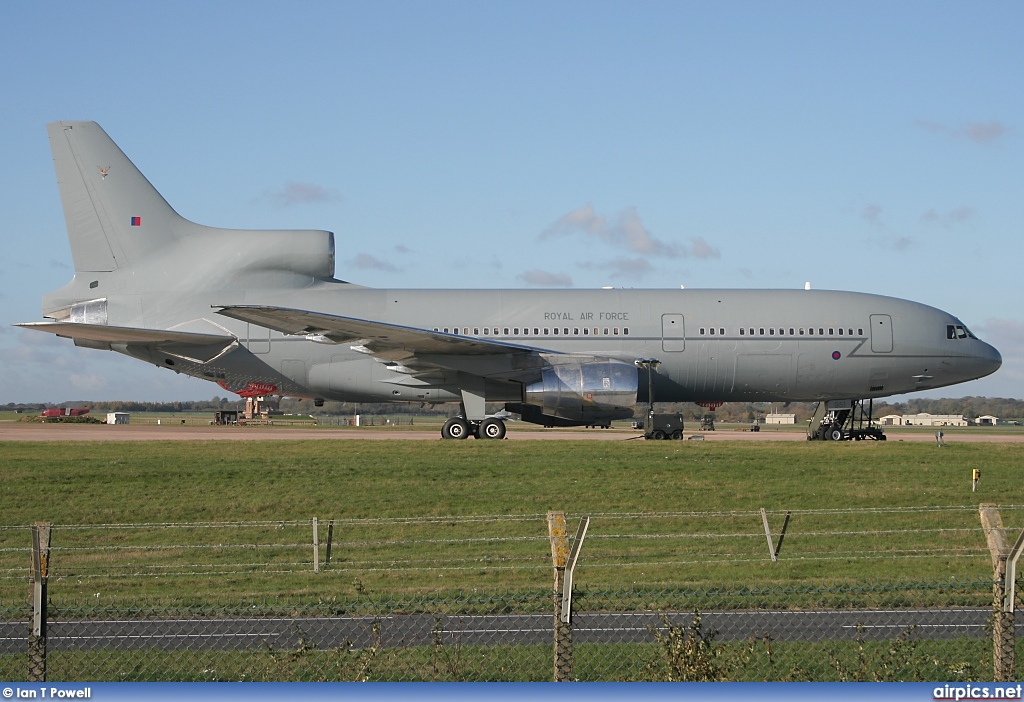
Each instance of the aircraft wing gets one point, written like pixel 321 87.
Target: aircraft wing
pixel 199 348
pixel 374 336
pixel 129 335
pixel 419 351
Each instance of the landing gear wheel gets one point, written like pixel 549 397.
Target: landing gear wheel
pixel 455 428
pixel 658 435
pixel 491 428
pixel 834 433
pixel 677 435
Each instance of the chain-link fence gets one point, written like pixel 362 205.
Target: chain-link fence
pixel 885 631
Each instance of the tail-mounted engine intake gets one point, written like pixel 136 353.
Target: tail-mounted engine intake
pixel 584 393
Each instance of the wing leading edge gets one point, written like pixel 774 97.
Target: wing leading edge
pixel 199 348
pixel 374 336
pixel 127 335
pixel 409 349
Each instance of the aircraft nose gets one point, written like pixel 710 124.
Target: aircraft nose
pixel 987 360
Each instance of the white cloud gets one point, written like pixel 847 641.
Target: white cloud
pixel 957 216
pixel 975 132
pixel 983 132
pixel 41 367
pixel 629 268
pixel 902 244
pixel 1007 335
pixel 628 232
pixel 367 261
pixel 702 249
pixel 295 193
pixel 545 279
pixel 623 267
pixel 929 126
pixel 872 214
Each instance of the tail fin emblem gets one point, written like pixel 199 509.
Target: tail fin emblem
pixel 103 171
pixel 136 221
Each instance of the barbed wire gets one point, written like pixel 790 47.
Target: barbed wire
pixel 277 523
pixel 372 553
pixel 307 567
pixel 595 561
pixel 760 534
pixel 304 544
pixel 300 522
pixel 384 544
pixel 637 564
pixel 382 561
pixel 346 569
pixel 757 512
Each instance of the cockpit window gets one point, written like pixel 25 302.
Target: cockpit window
pixel 958 331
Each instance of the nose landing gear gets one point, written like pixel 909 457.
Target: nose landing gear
pixel 843 420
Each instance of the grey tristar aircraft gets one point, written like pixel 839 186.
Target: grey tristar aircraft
pixel 260 312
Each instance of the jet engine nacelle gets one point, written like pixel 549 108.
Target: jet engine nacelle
pixel 585 392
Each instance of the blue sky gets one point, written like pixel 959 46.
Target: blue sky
pixel 870 146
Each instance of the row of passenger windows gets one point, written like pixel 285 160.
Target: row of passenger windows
pixel 781 331
pixel 547 331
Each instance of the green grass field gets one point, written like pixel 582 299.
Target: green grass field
pixel 664 513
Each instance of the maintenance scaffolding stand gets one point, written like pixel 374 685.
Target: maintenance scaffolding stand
pixel 844 420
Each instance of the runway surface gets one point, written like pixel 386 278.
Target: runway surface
pixel 19 431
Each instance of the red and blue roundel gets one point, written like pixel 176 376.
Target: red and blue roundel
pixel 836 355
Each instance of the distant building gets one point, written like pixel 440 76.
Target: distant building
pixel 118 417
pixel 780 419
pixel 934 420
pixel 891 420
pixel 987 421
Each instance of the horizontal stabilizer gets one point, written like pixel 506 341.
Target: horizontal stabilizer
pixel 128 335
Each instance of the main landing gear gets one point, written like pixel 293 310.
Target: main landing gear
pixel 460 428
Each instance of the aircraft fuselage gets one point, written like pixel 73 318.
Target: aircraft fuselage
pixel 713 345
pixel 259 312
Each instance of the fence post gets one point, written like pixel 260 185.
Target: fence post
pixel 570 566
pixel 330 541
pixel 1003 654
pixel 316 546
pixel 38 573
pixel 768 535
pixel 563 630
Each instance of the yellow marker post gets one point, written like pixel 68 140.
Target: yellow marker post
pixel 975 477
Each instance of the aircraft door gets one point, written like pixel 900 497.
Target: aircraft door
pixel 881 333
pixel 672 335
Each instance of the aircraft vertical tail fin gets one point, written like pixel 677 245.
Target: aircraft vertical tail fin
pixel 114 216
